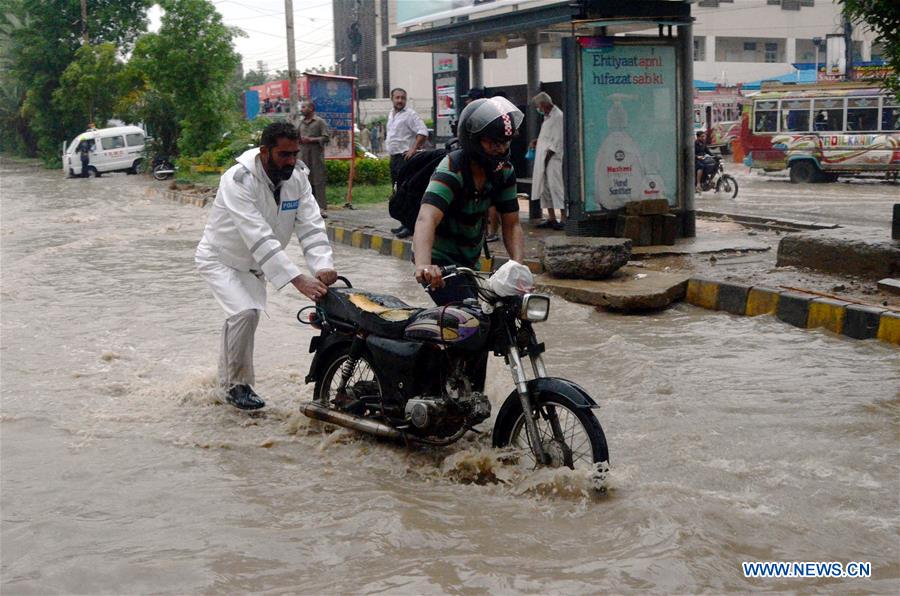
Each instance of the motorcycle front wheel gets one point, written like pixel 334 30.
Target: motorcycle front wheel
pixel 160 171
pixel 570 435
pixel 728 185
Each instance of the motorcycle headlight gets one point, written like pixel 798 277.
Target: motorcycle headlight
pixel 535 307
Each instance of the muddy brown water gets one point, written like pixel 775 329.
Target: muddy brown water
pixel 731 439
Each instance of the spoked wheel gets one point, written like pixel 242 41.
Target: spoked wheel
pixel 362 385
pixel 571 436
pixel 728 185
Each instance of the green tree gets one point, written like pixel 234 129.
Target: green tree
pixel 188 64
pixel 92 82
pixel 883 18
pixel 40 49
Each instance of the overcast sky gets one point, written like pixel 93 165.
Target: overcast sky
pixel 263 22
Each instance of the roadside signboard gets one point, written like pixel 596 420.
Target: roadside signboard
pixel 334 98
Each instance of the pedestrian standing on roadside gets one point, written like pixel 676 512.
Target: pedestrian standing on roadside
pixel 84 150
pixel 261 201
pixel 406 133
pixel 547 180
pixel 313 138
pixel 365 137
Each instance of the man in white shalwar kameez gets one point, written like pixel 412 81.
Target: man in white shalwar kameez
pixel 547 178
pixel 261 201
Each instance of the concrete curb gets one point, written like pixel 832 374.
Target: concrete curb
pixel 181 197
pixel 856 321
pixel 402 249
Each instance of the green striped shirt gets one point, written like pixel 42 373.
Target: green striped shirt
pixel 458 238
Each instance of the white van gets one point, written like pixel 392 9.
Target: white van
pixel 117 149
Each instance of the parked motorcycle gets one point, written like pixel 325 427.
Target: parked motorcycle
pixel 162 167
pixel 715 178
pixel 395 371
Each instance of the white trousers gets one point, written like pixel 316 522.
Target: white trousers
pixel 236 350
pixel 553 192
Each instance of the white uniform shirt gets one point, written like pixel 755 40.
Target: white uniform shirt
pixel 402 128
pixel 248 231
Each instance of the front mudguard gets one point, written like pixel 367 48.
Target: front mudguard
pixel 512 406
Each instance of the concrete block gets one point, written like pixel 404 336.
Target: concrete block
pixel 670 229
pixel 339 235
pixel 656 226
pixel 845 251
pixel 629 226
pixel 397 247
pixel 762 301
pixel 827 313
pixel 356 238
pixel 793 308
pixel 366 240
pixel 648 207
pixel 703 293
pixel 330 231
pixel 484 264
pixel 889 328
pixel 375 242
pixel 889 285
pixel 646 236
pixel 861 322
pixel 732 298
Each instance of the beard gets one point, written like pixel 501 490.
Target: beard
pixel 278 174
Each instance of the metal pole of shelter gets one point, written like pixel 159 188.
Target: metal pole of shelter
pixel 533 56
pixel 478 68
pixel 685 52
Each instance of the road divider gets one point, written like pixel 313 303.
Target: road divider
pixel 857 321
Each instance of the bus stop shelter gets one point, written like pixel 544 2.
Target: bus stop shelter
pixel 627 87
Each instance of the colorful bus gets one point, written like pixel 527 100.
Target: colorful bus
pixel 718 113
pixel 822 131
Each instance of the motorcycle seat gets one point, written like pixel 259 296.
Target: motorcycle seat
pixel 379 314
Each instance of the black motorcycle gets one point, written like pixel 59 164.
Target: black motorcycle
pixel 162 167
pixel 715 178
pixel 405 373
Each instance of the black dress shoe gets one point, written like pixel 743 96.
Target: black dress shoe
pixel 397 229
pixel 404 232
pixel 244 398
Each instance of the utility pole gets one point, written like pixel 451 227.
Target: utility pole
pixel 292 60
pixel 84 35
pixel 848 47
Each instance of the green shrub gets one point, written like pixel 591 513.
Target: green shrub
pixel 368 171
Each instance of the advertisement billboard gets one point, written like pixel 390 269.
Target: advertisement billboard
pixel 629 123
pixel 414 12
pixel 334 101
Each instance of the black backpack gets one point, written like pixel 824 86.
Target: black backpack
pixel 412 180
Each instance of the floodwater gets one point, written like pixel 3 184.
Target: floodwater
pixel 731 439
pixel 858 202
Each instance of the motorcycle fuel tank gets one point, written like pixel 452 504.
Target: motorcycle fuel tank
pixel 458 325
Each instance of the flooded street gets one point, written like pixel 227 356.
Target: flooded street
pixel 731 439
pixel 858 202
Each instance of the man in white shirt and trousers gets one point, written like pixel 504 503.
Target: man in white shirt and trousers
pixel 547 178
pixel 261 201
pixel 406 133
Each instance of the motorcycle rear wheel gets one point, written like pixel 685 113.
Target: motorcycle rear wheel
pixel 363 381
pixel 728 185
pixel 582 444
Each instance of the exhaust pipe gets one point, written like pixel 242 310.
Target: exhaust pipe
pixel 319 412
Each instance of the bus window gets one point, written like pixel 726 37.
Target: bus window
pixel 862 113
pixel 829 114
pixel 765 117
pixel 795 115
pixel 890 114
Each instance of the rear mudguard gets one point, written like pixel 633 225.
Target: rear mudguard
pixel 322 346
pixel 511 407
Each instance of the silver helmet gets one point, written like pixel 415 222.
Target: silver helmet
pixel 495 118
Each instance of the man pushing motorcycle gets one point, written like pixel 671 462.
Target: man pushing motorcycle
pixel 261 201
pixel 450 226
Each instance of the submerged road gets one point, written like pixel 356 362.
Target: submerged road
pixel 732 439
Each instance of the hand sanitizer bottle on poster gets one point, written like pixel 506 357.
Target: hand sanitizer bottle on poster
pixel 618 172
pixel 652 187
